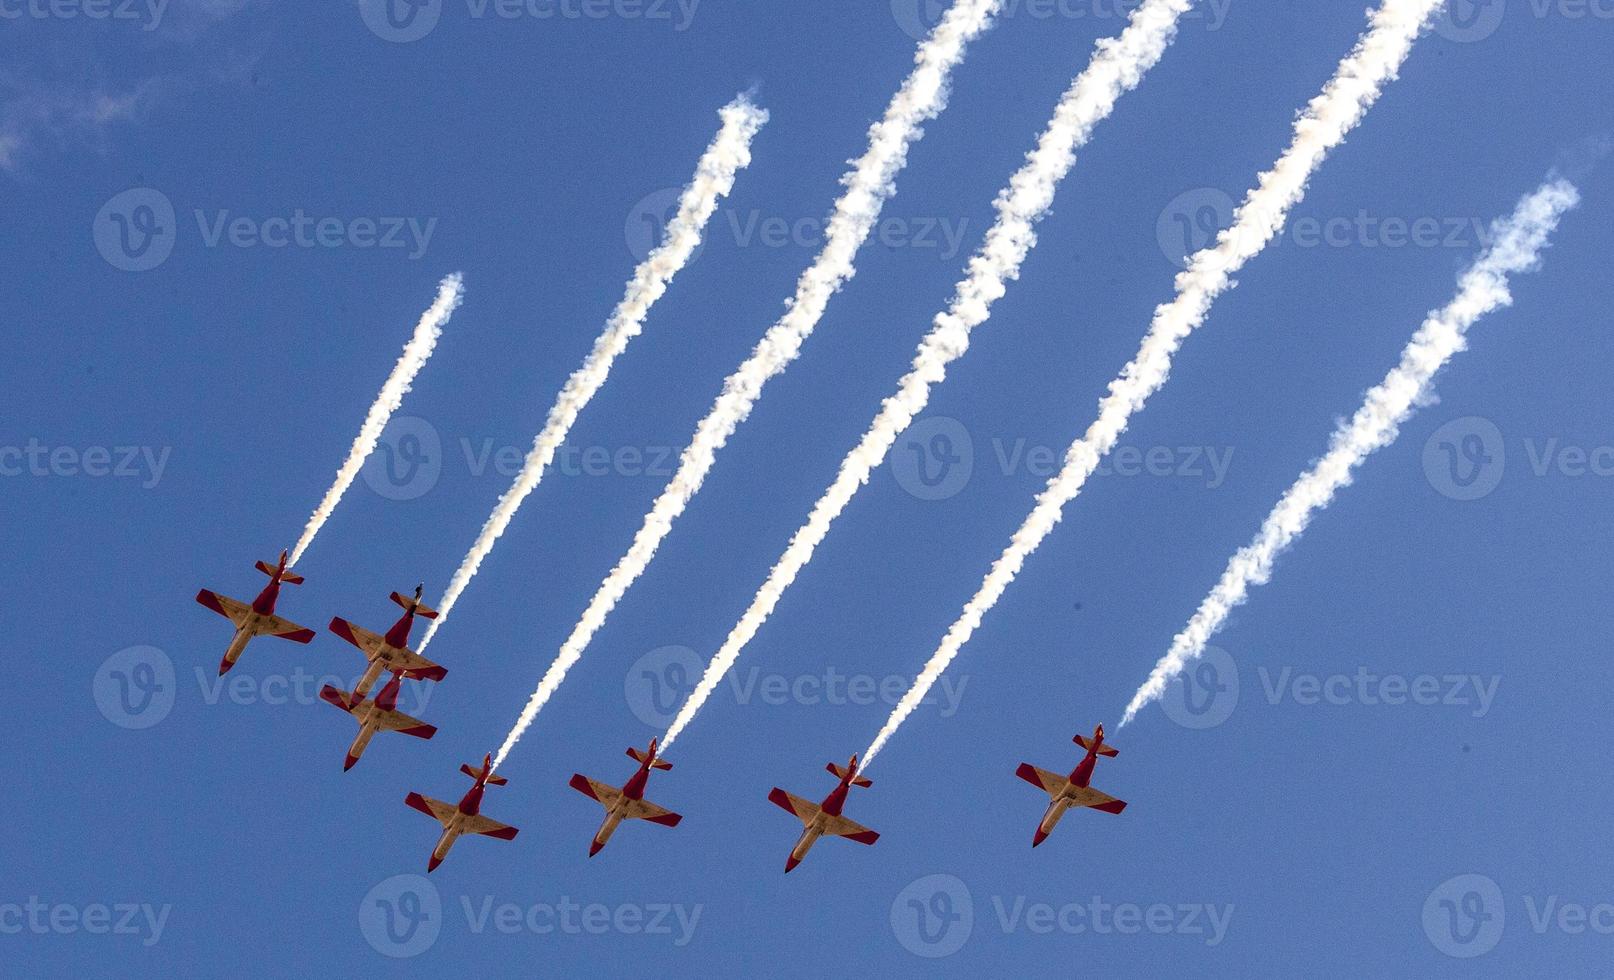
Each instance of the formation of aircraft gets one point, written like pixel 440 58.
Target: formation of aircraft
pixel 466 817
pixel 821 819
pixel 1073 791
pixel 627 803
pixel 390 652
pixel 258 619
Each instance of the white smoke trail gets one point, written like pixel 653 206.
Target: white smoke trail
pixel 729 152
pixel 1117 66
pixel 1356 85
pixel 869 184
pixel 415 353
pixel 1517 245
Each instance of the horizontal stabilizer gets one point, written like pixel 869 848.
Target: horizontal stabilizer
pixel 477 774
pixel 420 608
pixel 840 773
pixel 637 755
pixel 1105 749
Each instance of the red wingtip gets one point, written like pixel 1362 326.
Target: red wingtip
pixel 594 848
pixel 432 863
pixel 790 863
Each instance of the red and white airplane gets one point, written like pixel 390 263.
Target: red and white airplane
pixel 391 652
pixel 378 715
pixel 627 803
pixel 824 819
pixel 1065 792
pixel 465 818
pixel 258 619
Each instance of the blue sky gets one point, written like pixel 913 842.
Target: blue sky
pixel 217 390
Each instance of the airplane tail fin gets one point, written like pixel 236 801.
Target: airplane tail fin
pixel 290 577
pixel 637 755
pixel 840 773
pixel 476 773
pixel 421 609
pixel 1105 749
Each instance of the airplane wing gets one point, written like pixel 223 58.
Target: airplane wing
pixel 436 809
pixel 646 810
pixel 414 664
pixel 397 721
pixel 805 810
pixel 342 699
pixel 233 610
pixel 370 644
pixel 1089 797
pixel 1051 783
pixel 490 828
pixel 842 827
pixel 606 795
pixel 285 629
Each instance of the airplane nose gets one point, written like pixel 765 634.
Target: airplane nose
pixel 224 667
pixel 432 863
pixel 1038 837
pixel 349 763
pixel 594 848
pixel 790 863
